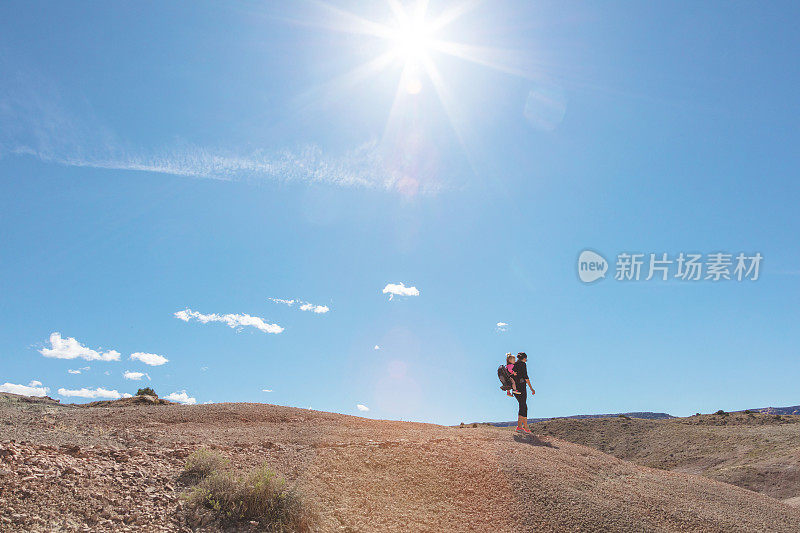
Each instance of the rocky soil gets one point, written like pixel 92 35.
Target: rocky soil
pixel 116 468
pixel 760 452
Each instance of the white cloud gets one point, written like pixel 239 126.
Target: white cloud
pixel 91 393
pixel 399 289
pixel 203 368
pixel 316 308
pixel 304 306
pixel 136 376
pixel 151 359
pixel 282 301
pixel 107 372
pixel 234 321
pixel 34 388
pixel 502 326
pixel 266 390
pixel 69 348
pixel 181 397
pixel 362 408
pixel 377 347
pixel 71 371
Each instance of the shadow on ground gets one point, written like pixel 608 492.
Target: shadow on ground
pixel 534 441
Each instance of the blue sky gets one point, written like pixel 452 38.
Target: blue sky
pixel 208 157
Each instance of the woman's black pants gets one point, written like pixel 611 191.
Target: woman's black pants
pixel 522 398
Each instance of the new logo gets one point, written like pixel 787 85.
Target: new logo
pixel 591 266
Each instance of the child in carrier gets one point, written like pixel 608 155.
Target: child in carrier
pixel 509 374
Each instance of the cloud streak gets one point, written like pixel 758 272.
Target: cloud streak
pixel 232 320
pixel 303 306
pixel 41 123
pixel 362 167
pixel 69 348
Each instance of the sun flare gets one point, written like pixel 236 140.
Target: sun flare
pixel 412 40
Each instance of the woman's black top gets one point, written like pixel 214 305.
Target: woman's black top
pixel 522 373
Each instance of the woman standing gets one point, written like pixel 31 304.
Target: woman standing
pixel 521 371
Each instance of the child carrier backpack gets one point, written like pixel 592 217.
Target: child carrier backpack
pixel 505 378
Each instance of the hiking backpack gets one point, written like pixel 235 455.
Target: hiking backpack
pixel 505 378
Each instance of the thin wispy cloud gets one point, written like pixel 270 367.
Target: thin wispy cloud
pixel 181 397
pixel 34 388
pixel 99 392
pixel 232 320
pixel 151 359
pixel 377 347
pixel 69 348
pixel 362 167
pixel 72 371
pixel 266 390
pixel 502 326
pixel 303 306
pixel 399 289
pixel 135 376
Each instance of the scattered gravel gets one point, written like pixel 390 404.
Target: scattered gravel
pixel 116 469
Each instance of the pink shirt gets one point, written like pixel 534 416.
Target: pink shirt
pixel 510 368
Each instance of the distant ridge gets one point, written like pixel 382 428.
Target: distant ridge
pixel 646 415
pixel 792 410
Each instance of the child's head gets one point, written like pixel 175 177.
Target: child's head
pixel 509 358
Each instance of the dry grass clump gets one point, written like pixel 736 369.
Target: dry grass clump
pixel 257 500
pixel 259 496
pixel 201 464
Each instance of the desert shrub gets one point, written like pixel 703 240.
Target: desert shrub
pixel 201 464
pixel 721 413
pixel 474 424
pixel 748 412
pixel 147 391
pixel 624 417
pixel 258 496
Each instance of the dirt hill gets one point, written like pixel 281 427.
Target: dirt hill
pixel 116 468
pixel 760 452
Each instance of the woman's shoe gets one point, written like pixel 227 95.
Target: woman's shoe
pixel 520 429
pixel 517 392
pixel 508 393
pixel 528 431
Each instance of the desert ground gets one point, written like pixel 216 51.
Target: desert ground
pixel 760 452
pixel 117 467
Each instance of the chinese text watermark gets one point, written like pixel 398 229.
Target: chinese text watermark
pixel 684 266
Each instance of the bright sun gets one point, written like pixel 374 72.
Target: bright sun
pixel 416 39
pixel 412 40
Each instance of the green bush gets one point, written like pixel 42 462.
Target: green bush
pixel 624 417
pixel 258 496
pixel 721 413
pixel 201 464
pixel 147 391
